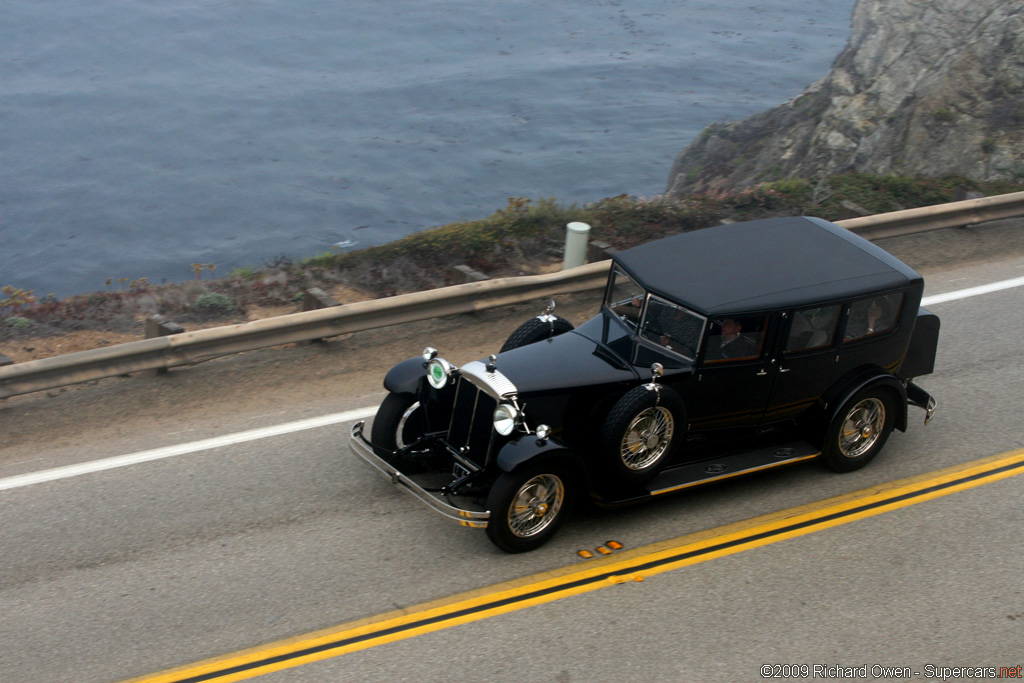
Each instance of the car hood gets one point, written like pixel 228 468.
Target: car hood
pixel 568 361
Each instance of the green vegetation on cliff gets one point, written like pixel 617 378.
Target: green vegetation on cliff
pixel 524 237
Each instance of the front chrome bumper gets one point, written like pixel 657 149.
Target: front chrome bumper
pixel 362 448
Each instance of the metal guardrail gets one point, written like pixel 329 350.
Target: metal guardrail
pixel 193 347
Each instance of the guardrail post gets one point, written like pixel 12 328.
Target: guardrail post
pixel 315 298
pixel 4 360
pixel 599 251
pixel 159 326
pixel 961 193
pixel 467 274
pixel 851 210
pixel 576 237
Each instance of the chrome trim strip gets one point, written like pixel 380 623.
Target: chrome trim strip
pixel 361 448
pixel 494 383
pixel 738 473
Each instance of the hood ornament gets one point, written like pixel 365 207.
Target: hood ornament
pixel 492 363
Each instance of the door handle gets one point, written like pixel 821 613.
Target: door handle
pixel 784 369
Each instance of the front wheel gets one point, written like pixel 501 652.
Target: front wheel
pixel 399 422
pixel 528 506
pixel 859 430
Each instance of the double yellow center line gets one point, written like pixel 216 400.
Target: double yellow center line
pixel 633 565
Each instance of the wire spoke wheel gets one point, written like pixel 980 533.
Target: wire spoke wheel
pixel 536 505
pixel 862 428
pixel 647 438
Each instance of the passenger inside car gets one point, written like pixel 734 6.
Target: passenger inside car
pixel 728 341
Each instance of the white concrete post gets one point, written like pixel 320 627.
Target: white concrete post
pixel 577 236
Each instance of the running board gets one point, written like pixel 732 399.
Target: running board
pixel 737 464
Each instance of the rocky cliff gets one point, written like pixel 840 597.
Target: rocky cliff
pixel 924 87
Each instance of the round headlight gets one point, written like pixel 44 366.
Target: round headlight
pixel 438 371
pixel 543 431
pixel 505 419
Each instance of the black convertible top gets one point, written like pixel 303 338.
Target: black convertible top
pixel 764 264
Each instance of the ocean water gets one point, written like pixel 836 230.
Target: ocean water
pixel 140 136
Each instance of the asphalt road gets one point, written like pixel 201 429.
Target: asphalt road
pixel 132 570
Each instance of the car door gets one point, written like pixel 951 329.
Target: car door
pixel 803 360
pixel 730 386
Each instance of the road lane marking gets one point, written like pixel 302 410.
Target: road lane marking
pixel 972 291
pixel 357 414
pixel 633 565
pixel 181 449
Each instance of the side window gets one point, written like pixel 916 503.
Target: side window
pixel 735 338
pixel 813 328
pixel 873 316
pixel 672 326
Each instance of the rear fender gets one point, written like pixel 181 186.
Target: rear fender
pixel 844 390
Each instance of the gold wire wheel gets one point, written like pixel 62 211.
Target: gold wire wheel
pixel 536 505
pixel 862 428
pixel 647 438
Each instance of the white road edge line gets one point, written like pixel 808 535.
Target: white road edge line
pixel 972 291
pixel 181 449
pixel 314 422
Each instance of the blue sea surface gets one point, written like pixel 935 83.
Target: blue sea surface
pixel 140 136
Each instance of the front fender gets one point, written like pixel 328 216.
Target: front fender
pixel 405 377
pixel 530 449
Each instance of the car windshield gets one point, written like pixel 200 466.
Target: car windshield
pixel 625 298
pixel 673 327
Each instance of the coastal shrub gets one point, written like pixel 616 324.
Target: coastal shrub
pixel 14 299
pixel 244 273
pixel 525 236
pixel 17 322
pixel 213 304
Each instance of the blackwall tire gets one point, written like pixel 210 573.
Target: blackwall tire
pixel 535 330
pixel 399 422
pixel 527 506
pixel 859 430
pixel 642 433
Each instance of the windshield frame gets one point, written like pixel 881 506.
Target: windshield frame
pixel 619 306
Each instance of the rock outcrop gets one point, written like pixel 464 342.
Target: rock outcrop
pixel 930 87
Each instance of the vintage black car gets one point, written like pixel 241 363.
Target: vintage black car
pixel 716 353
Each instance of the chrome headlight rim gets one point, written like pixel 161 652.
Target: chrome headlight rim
pixel 505 417
pixel 439 372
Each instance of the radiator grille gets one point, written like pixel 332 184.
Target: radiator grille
pixel 472 422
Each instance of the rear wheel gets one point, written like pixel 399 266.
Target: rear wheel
pixel 859 430
pixel 527 506
pixel 535 330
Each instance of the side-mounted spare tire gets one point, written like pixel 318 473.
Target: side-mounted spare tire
pixel 642 432
pixel 535 330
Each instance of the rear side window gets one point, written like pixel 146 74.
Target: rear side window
pixel 873 316
pixel 813 328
